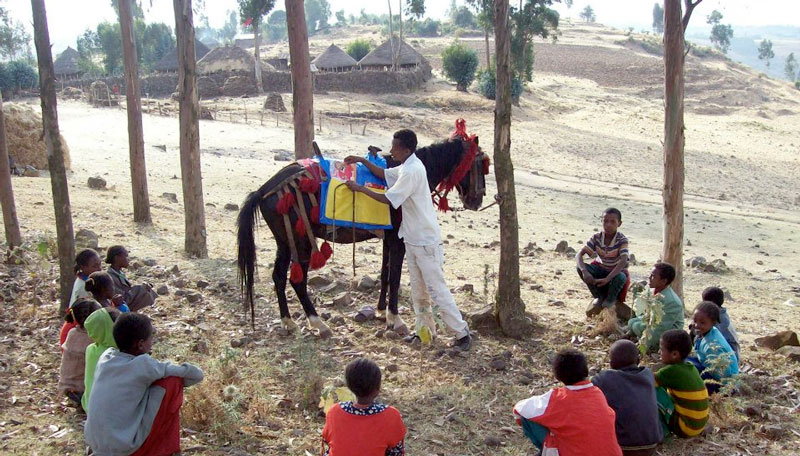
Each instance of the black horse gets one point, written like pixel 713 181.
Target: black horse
pixel 440 160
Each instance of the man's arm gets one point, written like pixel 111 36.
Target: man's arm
pixel 621 264
pixel 374 169
pixel 380 197
pixel 587 278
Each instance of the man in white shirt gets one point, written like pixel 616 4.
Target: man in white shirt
pixel 408 188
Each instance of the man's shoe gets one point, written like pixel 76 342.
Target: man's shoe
pixel 464 343
pixel 410 339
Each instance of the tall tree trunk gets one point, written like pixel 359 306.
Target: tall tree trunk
pixel 400 34
pixel 672 192
pixel 55 154
pixel 10 222
pixel 509 308
pixel 391 36
pixel 194 211
pixel 488 54
pixel 141 200
pixel 257 51
pixel 302 96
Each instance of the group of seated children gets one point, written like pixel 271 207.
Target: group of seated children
pixel 132 401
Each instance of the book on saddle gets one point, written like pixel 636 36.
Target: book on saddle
pixel 341 207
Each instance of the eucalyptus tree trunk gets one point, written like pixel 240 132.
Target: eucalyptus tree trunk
pixel 10 222
pixel 55 154
pixel 257 52
pixel 302 96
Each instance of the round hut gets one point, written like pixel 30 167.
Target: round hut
pixel 229 59
pixel 169 63
pixel 334 59
pixel 380 58
pixel 66 65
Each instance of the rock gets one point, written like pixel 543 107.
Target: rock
pixel 171 197
pixel 492 441
pixel 753 411
pixel 632 259
pixel 467 288
pixel 180 292
pixel 97 183
pixel 86 238
pixel 366 283
pixel 778 340
pixel 392 368
pixel 319 281
pixel 561 247
pixel 717 266
pixel 791 352
pixel 193 297
pixel 200 347
pixel 175 270
pixel 162 290
pixel 498 364
pixel 333 288
pixel 30 171
pixel 231 207
pixel 283 155
pixel 202 284
pixel 325 316
pixel 274 102
pixel 696 262
pixel 570 251
pixel 772 431
pixel 149 262
pixel 555 303
pixel 236 86
pixel 391 335
pixel 179 282
pixel 338 320
pixel 379 334
pixel 342 299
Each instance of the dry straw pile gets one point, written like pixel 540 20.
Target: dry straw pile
pixel 25 138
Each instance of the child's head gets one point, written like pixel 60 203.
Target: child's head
pixel 570 366
pixel 100 285
pixel 623 353
pixel 80 310
pixel 612 219
pixel 662 275
pixel 715 295
pixel 675 346
pixel 706 315
pixel 86 262
pixel 133 334
pixel 117 257
pixel 363 378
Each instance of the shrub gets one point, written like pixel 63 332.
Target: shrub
pixel 459 64
pixel 428 27
pixel 487 84
pixel 17 75
pixel 797 85
pixel 359 48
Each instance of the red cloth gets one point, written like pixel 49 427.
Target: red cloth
pixel 65 328
pixel 624 293
pixel 363 435
pixel 165 435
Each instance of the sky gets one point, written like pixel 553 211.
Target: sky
pixel 69 18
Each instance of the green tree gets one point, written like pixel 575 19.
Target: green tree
pixel 720 34
pixel 229 30
pixel 88 52
pixel 459 64
pixel 359 48
pixel 658 19
pixel 463 17
pixel 487 84
pixel 17 75
pixel 276 26
pixel 110 43
pixel 15 41
pixel 485 18
pixel 536 18
pixel 588 14
pixel 427 27
pixel 317 14
pixel 156 41
pixel 791 67
pixel 341 19
pixel 765 52
pixel 253 12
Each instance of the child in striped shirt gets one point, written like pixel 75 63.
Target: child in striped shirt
pixel 680 392
pixel 607 276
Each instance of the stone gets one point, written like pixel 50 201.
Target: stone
pixel 696 262
pixel 498 364
pixel 561 247
pixel 236 86
pixel 338 320
pixel 231 207
pixel 30 171
pixel 175 270
pixel 467 288
pixel 717 266
pixel 319 281
pixel 772 431
pixel 366 283
pixel 200 347
pixel 240 342
pixel 753 411
pixel 179 282
pixel 171 197
pixel 392 368
pixel 202 284
pixel 325 316
pixel 180 292
pixel 283 155
pixel 274 102
pixel 632 259
pixel 97 183
pixel 162 290
pixel 791 352
pixel 342 299
pixel 193 297
pixel 778 340
pixel 492 441
pixel 555 303
pixel 86 238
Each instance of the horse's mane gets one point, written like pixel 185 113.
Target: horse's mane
pixel 439 159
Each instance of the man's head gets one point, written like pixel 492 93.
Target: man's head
pixel 570 366
pixel 133 334
pixel 623 353
pixel 715 295
pixel 674 346
pixel 363 378
pixel 662 275
pixel 612 219
pixel 706 315
pixel 404 143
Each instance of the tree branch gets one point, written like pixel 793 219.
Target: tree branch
pixel 688 14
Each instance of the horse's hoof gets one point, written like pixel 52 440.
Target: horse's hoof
pixel 288 324
pixel 325 334
pixel 380 315
pixel 324 331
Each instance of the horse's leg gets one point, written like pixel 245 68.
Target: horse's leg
pixel 397 251
pixel 385 274
pixel 282 260
pixel 301 290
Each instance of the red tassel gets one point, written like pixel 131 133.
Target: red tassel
pixel 296 273
pixel 285 203
pixel 300 228
pixel 315 215
pixel 308 185
pixel 444 205
pixel 318 260
pixel 326 250
pixel 486 163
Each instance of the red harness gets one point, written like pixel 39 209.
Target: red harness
pixel 467 159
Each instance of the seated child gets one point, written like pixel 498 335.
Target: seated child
pixel 364 428
pixel 672 308
pixel 135 404
pixel 73 355
pixel 99 328
pixel 713 357
pixel 101 286
pixel 86 262
pixel 630 391
pixel 725 326
pixel 681 393
pixel 136 296
pixel 607 276
pixel 574 420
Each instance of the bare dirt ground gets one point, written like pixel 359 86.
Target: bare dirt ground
pixel 585 136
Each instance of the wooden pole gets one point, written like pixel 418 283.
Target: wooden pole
pixel 257 51
pixel 189 107
pixel 141 199
pixel 10 222
pixel 55 154
pixel 302 97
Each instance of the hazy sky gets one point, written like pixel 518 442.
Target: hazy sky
pixel 69 18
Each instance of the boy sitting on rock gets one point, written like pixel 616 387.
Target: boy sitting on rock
pixel 671 308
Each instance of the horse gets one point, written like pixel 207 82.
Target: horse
pixel 449 162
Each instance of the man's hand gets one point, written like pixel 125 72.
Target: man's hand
pixel 588 279
pixel 602 282
pixel 353 186
pixel 350 159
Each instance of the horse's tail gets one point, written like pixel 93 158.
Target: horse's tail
pixel 246 244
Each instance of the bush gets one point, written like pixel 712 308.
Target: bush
pixel 459 64
pixel 487 85
pixel 797 85
pixel 17 75
pixel 359 48
pixel 428 27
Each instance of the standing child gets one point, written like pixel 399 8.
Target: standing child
pixel 86 262
pixel 135 404
pixel 607 276
pixel 630 391
pixel 574 420
pixel 682 396
pixel 137 296
pixel 364 428
pixel 725 326
pixel 99 328
pixel 101 286
pixel 73 355
pixel 714 358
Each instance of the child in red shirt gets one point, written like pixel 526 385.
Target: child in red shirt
pixel 571 421
pixel 364 427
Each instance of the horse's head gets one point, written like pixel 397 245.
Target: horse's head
pixel 472 187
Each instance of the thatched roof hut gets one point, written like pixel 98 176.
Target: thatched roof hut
pixel 229 58
pixel 381 56
pixel 170 60
pixel 66 65
pixel 334 59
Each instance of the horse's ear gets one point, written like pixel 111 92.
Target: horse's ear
pixel 476 141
